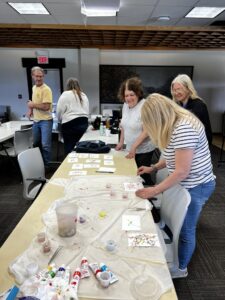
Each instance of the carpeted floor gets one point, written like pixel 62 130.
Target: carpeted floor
pixel 206 280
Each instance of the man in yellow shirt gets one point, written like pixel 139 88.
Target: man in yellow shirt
pixel 41 109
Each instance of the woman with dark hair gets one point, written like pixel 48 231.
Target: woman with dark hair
pixel 137 141
pixel 72 112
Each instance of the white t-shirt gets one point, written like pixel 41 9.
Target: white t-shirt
pixel 69 106
pixel 184 136
pixel 132 126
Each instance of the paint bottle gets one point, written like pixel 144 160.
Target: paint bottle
pixel 84 268
pixel 76 278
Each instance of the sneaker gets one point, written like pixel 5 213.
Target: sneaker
pixel 178 273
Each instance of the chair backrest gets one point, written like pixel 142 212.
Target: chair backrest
pixel 23 140
pixel 174 205
pixel 31 166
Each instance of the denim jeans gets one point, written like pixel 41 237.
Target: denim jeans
pixel 42 138
pixel 187 240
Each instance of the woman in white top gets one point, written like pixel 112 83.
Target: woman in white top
pixel 181 137
pixel 72 112
pixel 137 141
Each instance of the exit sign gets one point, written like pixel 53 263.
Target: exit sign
pixel 43 59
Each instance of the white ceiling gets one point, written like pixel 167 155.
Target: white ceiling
pixel 132 13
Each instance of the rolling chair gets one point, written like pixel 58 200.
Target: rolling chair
pixel 33 172
pixel 174 205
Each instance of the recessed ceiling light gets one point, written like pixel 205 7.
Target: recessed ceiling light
pixel 99 8
pixel 205 12
pixel 29 8
pixel 163 18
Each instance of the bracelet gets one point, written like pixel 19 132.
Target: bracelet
pixel 155 169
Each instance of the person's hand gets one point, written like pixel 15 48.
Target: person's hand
pixel 146 193
pixel 29 113
pixel 30 104
pixel 144 170
pixel 131 153
pixel 119 147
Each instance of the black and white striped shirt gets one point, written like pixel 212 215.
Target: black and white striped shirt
pixel 184 136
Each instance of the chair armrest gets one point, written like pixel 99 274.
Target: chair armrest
pixel 38 179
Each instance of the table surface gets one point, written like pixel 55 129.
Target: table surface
pixel 31 223
pixel 8 129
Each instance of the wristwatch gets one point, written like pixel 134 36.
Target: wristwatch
pixel 155 169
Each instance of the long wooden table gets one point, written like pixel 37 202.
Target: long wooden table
pixel 21 237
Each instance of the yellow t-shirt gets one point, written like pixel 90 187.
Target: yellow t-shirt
pixel 42 94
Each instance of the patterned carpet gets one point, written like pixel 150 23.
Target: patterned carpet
pixel 206 280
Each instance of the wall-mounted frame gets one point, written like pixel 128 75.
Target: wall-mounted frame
pixel 154 79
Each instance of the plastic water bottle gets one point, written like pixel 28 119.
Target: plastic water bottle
pixel 101 129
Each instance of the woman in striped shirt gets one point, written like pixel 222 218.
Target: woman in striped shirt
pixel 181 138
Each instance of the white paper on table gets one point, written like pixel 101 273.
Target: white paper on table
pixel 108 156
pixel 77 166
pixel 77 173
pixel 136 239
pixel 132 186
pixel 83 155
pixel 93 160
pixel 106 170
pixel 94 155
pixel 73 154
pixel 108 163
pixel 131 222
pixel 72 159
pixel 91 166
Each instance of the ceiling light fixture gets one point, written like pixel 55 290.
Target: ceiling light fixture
pixel 205 12
pixel 163 18
pixel 95 8
pixel 29 8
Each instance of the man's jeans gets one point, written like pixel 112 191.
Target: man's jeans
pixel 199 195
pixel 42 135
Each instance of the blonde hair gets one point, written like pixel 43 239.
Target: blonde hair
pixel 160 115
pixel 185 81
pixel 36 68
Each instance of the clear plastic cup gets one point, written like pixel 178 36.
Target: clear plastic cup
pixel 67 219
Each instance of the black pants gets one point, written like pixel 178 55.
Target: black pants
pixel 72 132
pixel 145 159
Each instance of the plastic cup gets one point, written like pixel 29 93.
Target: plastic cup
pixel 104 279
pixel 67 219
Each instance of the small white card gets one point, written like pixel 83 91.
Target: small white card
pixel 77 173
pixel 91 166
pixel 106 170
pixel 143 239
pixel 108 156
pixel 131 222
pixel 132 186
pixel 83 155
pixel 93 160
pixel 72 159
pixel 73 154
pixel 92 155
pixel 77 166
pixel 108 163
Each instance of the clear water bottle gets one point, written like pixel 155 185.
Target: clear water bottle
pixel 101 129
